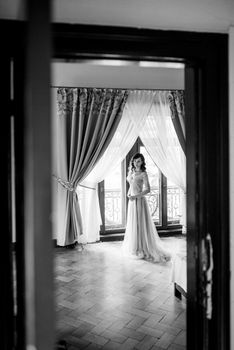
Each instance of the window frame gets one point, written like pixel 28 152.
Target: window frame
pixel 163 226
pixel 104 229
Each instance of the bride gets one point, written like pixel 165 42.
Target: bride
pixel 141 238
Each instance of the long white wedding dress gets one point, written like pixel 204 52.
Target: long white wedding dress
pixel 141 237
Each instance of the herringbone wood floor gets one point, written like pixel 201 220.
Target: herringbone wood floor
pixel 104 301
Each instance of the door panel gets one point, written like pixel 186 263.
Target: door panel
pixel 207 207
pixel 195 221
pixel 7 320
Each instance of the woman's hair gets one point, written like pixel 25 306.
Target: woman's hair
pixel 131 167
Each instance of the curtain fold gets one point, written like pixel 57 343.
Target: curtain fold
pixel 176 103
pixel 87 121
pixel 161 141
pixel 146 114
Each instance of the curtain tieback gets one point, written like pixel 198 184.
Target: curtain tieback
pixel 69 186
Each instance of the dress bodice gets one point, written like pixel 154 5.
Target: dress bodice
pixel 137 182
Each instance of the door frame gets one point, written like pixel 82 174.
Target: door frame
pixel 28 284
pixel 12 323
pixel 206 77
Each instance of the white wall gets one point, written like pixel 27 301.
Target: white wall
pixel 201 15
pixel 93 75
pixel 12 9
pixel 231 157
pixel 192 15
pixel 55 141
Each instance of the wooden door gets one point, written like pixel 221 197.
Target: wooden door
pixel 206 84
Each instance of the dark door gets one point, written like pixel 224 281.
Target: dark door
pixel 12 257
pixel 7 320
pixel 205 56
pixel 27 293
pixel 207 207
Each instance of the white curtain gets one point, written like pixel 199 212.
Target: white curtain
pixel 90 213
pixel 160 139
pixel 136 110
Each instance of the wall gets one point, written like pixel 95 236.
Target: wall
pixel 231 157
pixel 132 77
pixel 201 15
pixel 192 15
pixel 54 137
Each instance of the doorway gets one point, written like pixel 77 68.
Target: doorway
pixel 206 103
pixel 129 301
pixel 207 151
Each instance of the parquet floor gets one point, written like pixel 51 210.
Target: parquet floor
pixel 105 301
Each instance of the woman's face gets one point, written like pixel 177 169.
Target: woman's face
pixel 137 163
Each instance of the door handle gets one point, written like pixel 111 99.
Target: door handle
pixel 207 271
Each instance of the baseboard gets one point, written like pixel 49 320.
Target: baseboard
pixel 112 237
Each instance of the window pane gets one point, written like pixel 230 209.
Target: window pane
pixel 153 197
pixel 173 203
pixel 113 199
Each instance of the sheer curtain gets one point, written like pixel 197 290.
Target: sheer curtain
pixel 137 107
pixel 161 141
pixel 146 114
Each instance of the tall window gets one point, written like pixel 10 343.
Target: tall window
pixel 173 202
pixel 114 203
pixel 164 198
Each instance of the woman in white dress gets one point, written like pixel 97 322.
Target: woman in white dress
pixel 141 238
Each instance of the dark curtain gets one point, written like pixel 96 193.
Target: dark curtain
pixel 88 119
pixel 176 102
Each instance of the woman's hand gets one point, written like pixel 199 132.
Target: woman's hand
pixel 140 195
pixel 131 198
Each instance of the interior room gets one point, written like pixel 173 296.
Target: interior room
pixel 65 280
pixel 103 298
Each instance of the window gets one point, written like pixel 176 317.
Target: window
pixel 164 198
pixel 173 203
pixel 113 197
